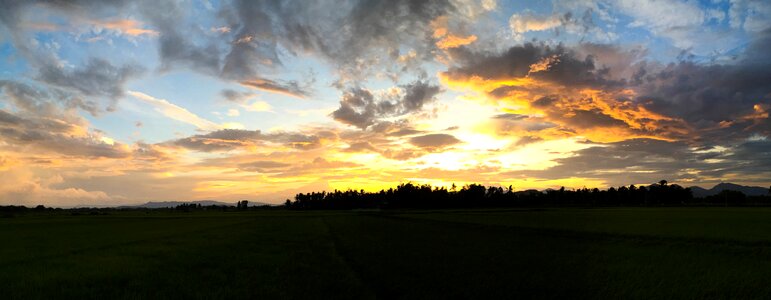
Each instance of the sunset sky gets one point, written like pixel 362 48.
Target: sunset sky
pixel 111 102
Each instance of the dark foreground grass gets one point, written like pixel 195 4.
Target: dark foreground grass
pixel 573 253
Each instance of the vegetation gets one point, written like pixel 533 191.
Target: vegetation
pixel 477 196
pixel 643 253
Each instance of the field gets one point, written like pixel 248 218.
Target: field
pixel 640 253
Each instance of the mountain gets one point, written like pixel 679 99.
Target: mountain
pixel 700 192
pixel 164 204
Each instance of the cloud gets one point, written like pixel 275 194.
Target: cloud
pixel 177 47
pixel 647 161
pixel 570 91
pixel 454 41
pixel 434 141
pixel 221 140
pixel 125 26
pixel 609 94
pixel 320 165
pixel 361 108
pixel 667 18
pixel 447 39
pixel 240 139
pixel 258 106
pixel 175 112
pixel 290 88
pixel 263 166
pixel 44 102
pixel 25 188
pixel 710 96
pixel 97 78
pixel 236 96
pixel 361 147
pixel 750 15
pixel 354 36
pixel 576 18
pixel 31 134
pixel 523 23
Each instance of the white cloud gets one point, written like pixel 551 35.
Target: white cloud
pixel 233 112
pixel 523 23
pixel 716 14
pixel 258 106
pixel 751 15
pixel 175 112
pixel 676 20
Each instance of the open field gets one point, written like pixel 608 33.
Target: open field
pixel 554 253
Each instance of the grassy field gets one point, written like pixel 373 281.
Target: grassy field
pixel 639 253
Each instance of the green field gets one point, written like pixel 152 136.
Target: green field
pixel 641 253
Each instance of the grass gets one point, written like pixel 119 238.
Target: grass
pixel 638 253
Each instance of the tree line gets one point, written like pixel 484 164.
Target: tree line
pixel 409 195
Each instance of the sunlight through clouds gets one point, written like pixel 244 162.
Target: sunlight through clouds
pixel 119 102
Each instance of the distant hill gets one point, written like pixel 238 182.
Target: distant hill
pixel 164 204
pixel 747 190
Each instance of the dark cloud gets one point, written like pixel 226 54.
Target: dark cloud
pixel 29 134
pixel 647 161
pixel 44 102
pixel 180 43
pixel 81 87
pixel 360 108
pixel 545 101
pixel 220 140
pixel 346 33
pixel 517 122
pixel 723 102
pixel 290 88
pixel 591 119
pixel 97 78
pixel 526 140
pixel 561 65
pixel 357 108
pixel 636 160
pixel 266 33
pixel 434 141
pixel 397 128
pixel 417 94
pixel 235 96
pixel 233 139
pixel 361 147
pixel 686 100
pixel 705 96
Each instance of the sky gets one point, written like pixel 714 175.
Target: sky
pixel 115 102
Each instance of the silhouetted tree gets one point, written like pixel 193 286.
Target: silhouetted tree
pixel 242 205
pixel 409 195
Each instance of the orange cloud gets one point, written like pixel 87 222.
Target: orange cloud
pixel 125 26
pixel 445 38
pixel 454 41
pixel 598 115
